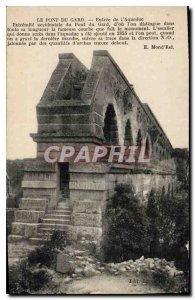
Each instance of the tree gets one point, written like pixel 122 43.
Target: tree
pixel 168 223
pixel 153 216
pixel 181 157
pixel 126 229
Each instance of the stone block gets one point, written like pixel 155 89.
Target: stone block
pixel 31 230
pixel 94 232
pixel 87 207
pixel 32 204
pixel 82 219
pixel 18 228
pixel 38 192
pixel 88 185
pixel 64 264
pixel 87 194
pixel 64 119
pixel 27 216
pixel 38 184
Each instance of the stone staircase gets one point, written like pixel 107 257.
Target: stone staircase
pixel 56 219
pixel 48 222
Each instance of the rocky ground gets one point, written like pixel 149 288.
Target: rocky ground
pixel 78 272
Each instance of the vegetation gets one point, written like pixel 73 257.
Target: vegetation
pixel 169 284
pixel 181 157
pixel 126 234
pixel 15 171
pixel 159 230
pixel 29 275
pixel 169 226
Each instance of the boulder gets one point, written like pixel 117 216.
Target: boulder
pixel 79 257
pixel 171 264
pixel 179 273
pixel 80 252
pixel 167 268
pixel 122 269
pixel 67 279
pixel 64 264
pixel 78 271
pixel 172 272
pixel 151 265
pixel 89 271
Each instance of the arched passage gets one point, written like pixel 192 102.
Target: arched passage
pixel 110 126
pixel 128 140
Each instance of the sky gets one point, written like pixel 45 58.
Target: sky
pixel 160 77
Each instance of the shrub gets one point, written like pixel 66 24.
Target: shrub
pixel 45 255
pixel 58 240
pixel 169 223
pixel 14 280
pixel 126 228
pixel 164 281
pixel 23 280
pixel 177 284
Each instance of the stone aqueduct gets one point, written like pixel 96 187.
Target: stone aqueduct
pixel 90 107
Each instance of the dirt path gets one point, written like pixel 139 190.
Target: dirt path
pixel 104 283
pixel 109 284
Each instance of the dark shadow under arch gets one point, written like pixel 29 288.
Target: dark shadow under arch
pixel 110 126
pixel 139 138
pixel 128 140
pixel 147 148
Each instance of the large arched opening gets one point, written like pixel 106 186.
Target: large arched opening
pixel 110 126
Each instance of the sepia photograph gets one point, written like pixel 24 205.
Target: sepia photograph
pixel 97 166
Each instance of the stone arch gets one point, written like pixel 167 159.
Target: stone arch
pixel 110 129
pixel 128 139
pixel 139 137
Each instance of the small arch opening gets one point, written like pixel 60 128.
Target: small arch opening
pixel 110 126
pixel 139 138
pixel 128 134
pixel 147 148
